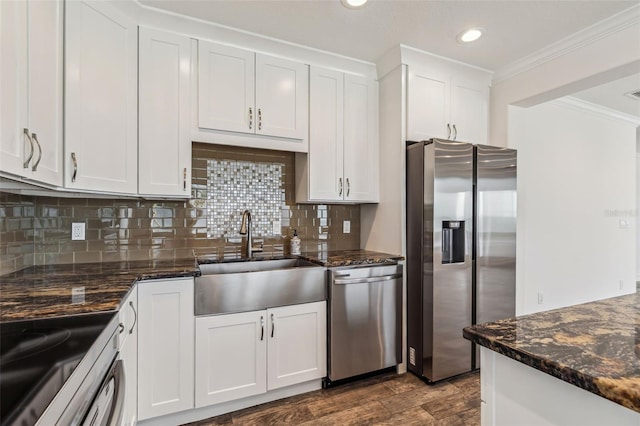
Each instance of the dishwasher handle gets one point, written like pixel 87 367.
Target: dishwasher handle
pixel 340 281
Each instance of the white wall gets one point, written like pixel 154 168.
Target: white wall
pixel 576 181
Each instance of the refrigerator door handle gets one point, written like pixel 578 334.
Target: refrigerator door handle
pixel 447 245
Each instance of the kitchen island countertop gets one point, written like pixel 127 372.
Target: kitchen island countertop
pixel 594 346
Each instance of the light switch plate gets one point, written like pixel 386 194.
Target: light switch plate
pixel 346 227
pixel 277 227
pixel 77 231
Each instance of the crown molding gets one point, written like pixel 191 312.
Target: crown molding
pixel 575 41
pixel 586 106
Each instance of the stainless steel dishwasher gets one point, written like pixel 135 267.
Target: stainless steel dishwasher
pixel 365 319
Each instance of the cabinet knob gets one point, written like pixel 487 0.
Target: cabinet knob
pixel 273 326
pixel 28 135
pixel 340 187
pixel 262 328
pixel 348 187
pixel 250 118
pixel 455 132
pixel 448 131
pixel 259 118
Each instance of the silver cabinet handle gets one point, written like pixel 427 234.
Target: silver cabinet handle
pixel 75 167
pixel 262 328
pixel 348 187
pixel 340 185
pixel 455 132
pixel 250 118
pixel 184 179
pixel 273 326
pixel 120 328
pixel 35 166
pixel 448 131
pixel 26 162
pixel 259 118
pixel 135 317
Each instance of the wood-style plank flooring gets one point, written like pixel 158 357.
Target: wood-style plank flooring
pixel 388 399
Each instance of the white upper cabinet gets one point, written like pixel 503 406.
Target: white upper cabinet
pixel 31 37
pixel 101 58
pixel 226 88
pixel 281 97
pixel 360 140
pixel 446 102
pixel 342 163
pixel 164 142
pixel 326 134
pixel 241 91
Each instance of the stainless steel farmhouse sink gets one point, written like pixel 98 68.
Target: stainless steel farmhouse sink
pixel 243 286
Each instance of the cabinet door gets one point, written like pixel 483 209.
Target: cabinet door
pixel 326 134
pixel 282 97
pixel 469 104
pixel 297 344
pixel 427 105
pixel 45 89
pixel 360 140
pixel 129 356
pixel 230 357
pixel 14 146
pixel 165 347
pixel 226 88
pixel 31 87
pixel 101 57
pixel 165 143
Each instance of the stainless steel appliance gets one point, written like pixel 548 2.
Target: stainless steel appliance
pixel 365 320
pixel 61 371
pixel 461 234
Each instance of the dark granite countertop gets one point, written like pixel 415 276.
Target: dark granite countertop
pixel 595 346
pixel 333 259
pixel 45 291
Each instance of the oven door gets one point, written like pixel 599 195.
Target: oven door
pixel 107 407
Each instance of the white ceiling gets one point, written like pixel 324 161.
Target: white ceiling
pixel 613 95
pixel 515 28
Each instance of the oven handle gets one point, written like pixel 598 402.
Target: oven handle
pixel 117 409
pixel 365 280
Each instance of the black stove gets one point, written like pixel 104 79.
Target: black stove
pixel 37 357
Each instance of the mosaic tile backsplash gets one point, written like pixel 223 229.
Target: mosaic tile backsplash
pixel 37 230
pixel 234 186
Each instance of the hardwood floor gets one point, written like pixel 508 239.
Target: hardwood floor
pixel 388 399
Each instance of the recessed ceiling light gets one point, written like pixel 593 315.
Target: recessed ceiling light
pixel 353 4
pixel 472 34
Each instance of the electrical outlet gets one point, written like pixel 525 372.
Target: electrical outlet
pixel 621 284
pixel 540 299
pixel 77 295
pixel 77 231
pixel 277 227
pixel 346 227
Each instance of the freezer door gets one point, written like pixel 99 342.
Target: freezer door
pixel 496 202
pixel 451 286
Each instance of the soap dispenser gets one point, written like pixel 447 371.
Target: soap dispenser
pixel 295 243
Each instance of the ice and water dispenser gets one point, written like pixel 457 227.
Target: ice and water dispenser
pixel 453 241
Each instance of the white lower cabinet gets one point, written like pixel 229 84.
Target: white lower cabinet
pixel 245 354
pixel 128 344
pixel 165 347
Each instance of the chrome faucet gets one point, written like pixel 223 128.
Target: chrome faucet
pixel 245 229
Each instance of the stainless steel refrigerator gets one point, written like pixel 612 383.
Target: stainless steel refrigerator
pixel 461 250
